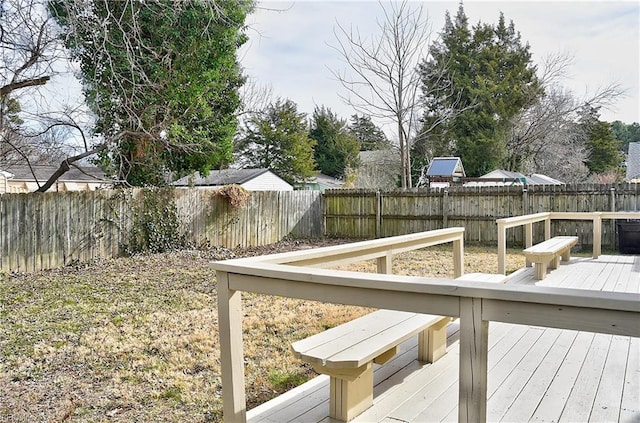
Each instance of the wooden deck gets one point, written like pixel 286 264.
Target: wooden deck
pixel 535 374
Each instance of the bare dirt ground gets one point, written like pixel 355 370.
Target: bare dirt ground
pixel 135 339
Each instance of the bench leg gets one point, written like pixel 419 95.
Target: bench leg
pixel 566 255
pixel 541 270
pixel 432 342
pixel 349 398
pixel 555 262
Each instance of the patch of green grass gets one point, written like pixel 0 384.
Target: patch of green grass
pixel 286 380
pixel 173 393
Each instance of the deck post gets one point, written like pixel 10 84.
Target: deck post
pixel 458 257
pixel 547 228
pixel 502 248
pixel 474 346
pixel 528 239
pixel 231 352
pixel 385 264
pixel 597 235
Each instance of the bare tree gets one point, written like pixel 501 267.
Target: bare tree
pixel 383 79
pixel 35 128
pixel 545 136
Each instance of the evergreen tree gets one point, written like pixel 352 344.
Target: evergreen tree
pixel 491 77
pixel 368 134
pixel 336 148
pixel 604 148
pixel 162 79
pixel 278 139
pixel 626 133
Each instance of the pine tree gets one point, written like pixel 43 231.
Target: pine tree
pixel 490 75
pixel 278 139
pixel 336 149
pixel 370 136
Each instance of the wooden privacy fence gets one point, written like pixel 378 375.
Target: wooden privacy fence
pixel 43 231
pixel 374 214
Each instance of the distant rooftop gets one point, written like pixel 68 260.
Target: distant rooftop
pixel 41 173
pixel 633 161
pixel 221 177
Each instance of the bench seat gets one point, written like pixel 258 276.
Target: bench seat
pixel 347 352
pixel 549 252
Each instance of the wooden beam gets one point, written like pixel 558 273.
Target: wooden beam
pixel 443 305
pixel 613 322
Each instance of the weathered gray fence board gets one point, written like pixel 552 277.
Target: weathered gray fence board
pixel 40 231
pixel 476 208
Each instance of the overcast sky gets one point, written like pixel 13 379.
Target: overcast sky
pixel 288 47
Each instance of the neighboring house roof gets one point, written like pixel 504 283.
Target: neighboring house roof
pixel 250 179
pixel 506 174
pixel 514 178
pixel 633 161
pixel 220 177
pixel 326 181
pixel 446 166
pixel 539 179
pixel 41 173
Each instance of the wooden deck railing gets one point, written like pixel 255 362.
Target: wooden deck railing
pixel 528 220
pixel 475 303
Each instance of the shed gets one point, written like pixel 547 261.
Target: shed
pixel 633 162
pixel 19 178
pixel 444 170
pixel 249 179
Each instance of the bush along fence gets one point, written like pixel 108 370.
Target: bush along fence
pixel 43 231
pixel 374 214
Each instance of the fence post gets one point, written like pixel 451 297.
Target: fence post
pixel 525 201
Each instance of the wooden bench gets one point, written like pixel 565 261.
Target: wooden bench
pixel 549 252
pixel 347 352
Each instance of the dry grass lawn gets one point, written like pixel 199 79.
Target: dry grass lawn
pixel 135 339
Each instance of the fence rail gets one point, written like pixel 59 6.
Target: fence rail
pixel 373 214
pixel 44 231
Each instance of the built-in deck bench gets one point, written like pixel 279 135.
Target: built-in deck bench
pixel 548 254
pixel 347 352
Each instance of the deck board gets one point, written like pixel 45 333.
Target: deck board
pixel 534 374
